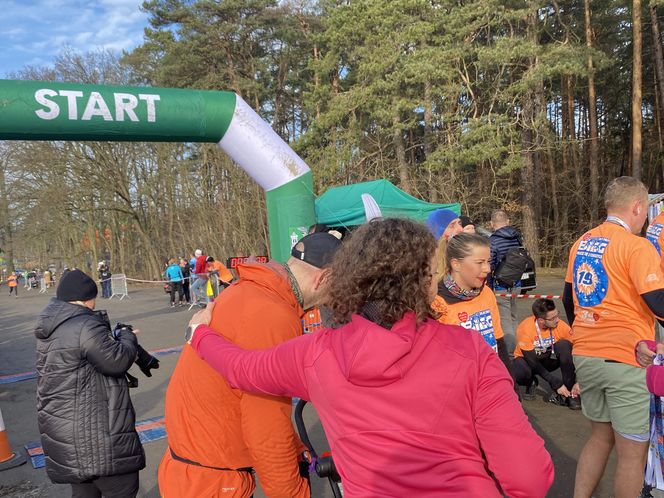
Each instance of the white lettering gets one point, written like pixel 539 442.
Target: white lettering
pixel 96 107
pixel 125 102
pixel 71 95
pixel 150 100
pixel 54 109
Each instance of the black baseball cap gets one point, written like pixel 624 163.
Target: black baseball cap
pixel 318 250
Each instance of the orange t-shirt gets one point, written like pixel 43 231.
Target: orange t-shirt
pixel 222 272
pixel 480 314
pixel 11 281
pixel 609 268
pixel 527 338
pixel 655 234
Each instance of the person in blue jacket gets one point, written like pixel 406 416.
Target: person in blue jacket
pixel 175 281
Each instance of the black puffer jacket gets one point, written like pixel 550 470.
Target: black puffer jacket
pixel 85 415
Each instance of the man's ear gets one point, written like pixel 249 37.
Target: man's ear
pixel 321 277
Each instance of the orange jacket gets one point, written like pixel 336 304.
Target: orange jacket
pixel 12 281
pixel 222 272
pixel 210 423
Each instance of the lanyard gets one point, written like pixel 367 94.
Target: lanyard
pixel 539 337
pixel 618 221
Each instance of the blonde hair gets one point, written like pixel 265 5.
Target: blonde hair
pixel 622 191
pixel 458 247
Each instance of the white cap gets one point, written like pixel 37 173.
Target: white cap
pixel 198 252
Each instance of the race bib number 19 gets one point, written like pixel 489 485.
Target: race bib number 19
pixel 590 280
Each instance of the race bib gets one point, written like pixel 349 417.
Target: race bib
pixel 653 234
pixel 482 323
pixel 591 283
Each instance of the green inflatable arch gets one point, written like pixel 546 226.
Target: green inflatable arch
pixel 45 110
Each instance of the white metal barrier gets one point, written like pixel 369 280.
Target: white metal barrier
pixel 119 286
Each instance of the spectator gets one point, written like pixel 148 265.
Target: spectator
pixel 211 426
pixel 218 274
pixel 105 278
pixel 503 238
pixel 445 224
pixel 199 285
pixel 12 283
pixel 544 344
pixel 186 279
pixel 613 286
pixel 84 412
pixel 175 278
pixel 463 298
pixel 411 407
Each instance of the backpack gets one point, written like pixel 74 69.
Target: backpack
pixel 511 269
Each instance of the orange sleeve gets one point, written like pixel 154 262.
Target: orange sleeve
pixel 644 267
pixel 224 273
pixel 495 317
pixel 524 335
pixel 569 278
pixel 563 331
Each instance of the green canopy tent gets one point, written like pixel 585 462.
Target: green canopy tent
pixel 342 206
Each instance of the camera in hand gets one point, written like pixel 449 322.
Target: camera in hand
pixel 144 360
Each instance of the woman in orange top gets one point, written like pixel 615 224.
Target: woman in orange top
pixel 462 298
pixel 12 282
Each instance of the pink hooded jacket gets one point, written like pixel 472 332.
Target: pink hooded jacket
pixel 424 411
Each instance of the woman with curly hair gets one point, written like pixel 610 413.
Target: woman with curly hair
pixel 411 407
pixel 463 298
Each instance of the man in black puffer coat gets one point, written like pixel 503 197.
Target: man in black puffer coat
pixel 85 415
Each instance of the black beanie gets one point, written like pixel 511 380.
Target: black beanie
pixel 76 286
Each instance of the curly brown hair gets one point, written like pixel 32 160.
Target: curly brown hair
pixel 387 263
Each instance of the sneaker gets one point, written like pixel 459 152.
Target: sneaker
pixel 558 399
pixel 181 303
pixel 574 403
pixel 172 305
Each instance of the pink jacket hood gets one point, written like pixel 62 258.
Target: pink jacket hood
pixel 372 356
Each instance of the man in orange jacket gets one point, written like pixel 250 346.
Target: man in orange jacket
pixel 219 436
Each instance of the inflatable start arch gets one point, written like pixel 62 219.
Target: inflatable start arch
pixel 44 110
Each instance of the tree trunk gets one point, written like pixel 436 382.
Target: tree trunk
pixel 400 151
pixel 659 57
pixel 593 159
pixel 7 224
pixel 637 77
pixel 428 138
pixel 529 193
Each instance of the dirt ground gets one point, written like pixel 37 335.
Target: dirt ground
pixel 147 308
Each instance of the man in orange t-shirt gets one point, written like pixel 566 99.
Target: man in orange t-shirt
pixel 12 282
pixel 613 287
pixel 544 344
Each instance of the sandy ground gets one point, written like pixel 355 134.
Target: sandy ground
pixel 564 431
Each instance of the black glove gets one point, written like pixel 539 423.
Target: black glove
pixel 146 361
pixel 131 380
pixel 120 328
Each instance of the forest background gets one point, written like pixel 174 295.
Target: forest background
pixel 532 106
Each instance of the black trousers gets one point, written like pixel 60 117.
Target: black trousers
pixel 121 486
pixel 185 289
pixel 176 287
pixel 524 374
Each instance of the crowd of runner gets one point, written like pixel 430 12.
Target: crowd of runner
pixel 417 376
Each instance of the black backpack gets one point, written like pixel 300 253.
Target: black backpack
pixel 514 265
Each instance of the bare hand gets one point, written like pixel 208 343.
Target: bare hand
pixel 563 391
pixel 576 390
pixel 135 331
pixel 468 229
pixel 203 316
pixel 643 354
pixel 660 349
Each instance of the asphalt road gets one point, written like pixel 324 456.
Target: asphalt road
pixel 160 326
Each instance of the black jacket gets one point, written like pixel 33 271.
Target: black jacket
pixel 84 412
pixel 501 241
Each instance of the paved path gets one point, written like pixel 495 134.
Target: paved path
pixel 160 326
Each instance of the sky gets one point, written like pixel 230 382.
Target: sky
pixel 33 32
